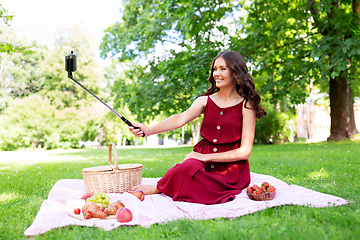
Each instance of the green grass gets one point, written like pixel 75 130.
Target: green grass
pixel 329 167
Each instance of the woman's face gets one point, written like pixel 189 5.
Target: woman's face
pixel 223 75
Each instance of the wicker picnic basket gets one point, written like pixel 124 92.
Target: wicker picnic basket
pixel 113 178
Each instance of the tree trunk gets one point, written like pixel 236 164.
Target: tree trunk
pixel 356 11
pixel 356 7
pixel 352 114
pixel 195 130
pixel 339 106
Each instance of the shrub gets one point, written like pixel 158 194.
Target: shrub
pixel 33 122
pixel 273 128
pixel 26 123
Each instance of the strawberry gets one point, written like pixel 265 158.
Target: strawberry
pixel 266 184
pixel 87 214
pixel 255 187
pixel 258 191
pixel 107 211
pixel 271 189
pixel 77 211
pixel 263 188
pixel 102 209
pixel 249 190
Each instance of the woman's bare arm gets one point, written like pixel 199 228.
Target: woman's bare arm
pixel 174 121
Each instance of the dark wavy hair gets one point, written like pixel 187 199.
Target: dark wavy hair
pixel 244 82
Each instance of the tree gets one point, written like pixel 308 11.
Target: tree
pixel 166 83
pixel 22 75
pixel 33 122
pixel 18 67
pixel 18 63
pixel 27 122
pixel 57 87
pixel 13 55
pixel 288 44
pixel 293 43
pixel 4 15
pixel 170 82
pixel 5 46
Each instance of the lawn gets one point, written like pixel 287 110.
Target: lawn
pixel 328 167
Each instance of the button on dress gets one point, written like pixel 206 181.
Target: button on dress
pixel 211 182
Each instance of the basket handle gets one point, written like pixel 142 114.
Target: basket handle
pixel 112 145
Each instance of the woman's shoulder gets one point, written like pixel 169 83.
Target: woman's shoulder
pixel 198 105
pixel 201 101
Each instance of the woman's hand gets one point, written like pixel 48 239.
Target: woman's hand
pixel 196 155
pixel 138 132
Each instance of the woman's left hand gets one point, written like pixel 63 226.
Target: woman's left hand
pixel 195 155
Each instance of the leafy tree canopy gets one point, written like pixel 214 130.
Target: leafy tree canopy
pixel 4 15
pixel 6 46
pixel 297 44
pixel 57 87
pixel 292 43
pixel 168 83
pixel 19 75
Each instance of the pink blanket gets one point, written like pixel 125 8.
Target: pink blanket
pixel 160 208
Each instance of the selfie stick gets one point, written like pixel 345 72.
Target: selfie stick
pixel 70 66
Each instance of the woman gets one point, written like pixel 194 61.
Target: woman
pixel 217 169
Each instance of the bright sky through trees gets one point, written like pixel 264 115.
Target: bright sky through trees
pixel 39 19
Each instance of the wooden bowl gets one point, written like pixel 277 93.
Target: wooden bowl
pixel 268 196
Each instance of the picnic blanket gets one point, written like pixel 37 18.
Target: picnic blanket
pixel 160 208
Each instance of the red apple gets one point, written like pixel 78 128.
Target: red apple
pixel 139 194
pixel 86 196
pixel 124 215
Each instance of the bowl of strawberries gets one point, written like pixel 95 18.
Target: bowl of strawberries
pixel 264 192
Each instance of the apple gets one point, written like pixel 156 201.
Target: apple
pixel 85 196
pixel 124 215
pixel 139 194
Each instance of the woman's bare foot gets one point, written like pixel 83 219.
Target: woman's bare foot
pixel 147 189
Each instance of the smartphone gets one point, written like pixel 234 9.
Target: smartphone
pixel 70 62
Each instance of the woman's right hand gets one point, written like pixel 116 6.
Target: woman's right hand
pixel 140 131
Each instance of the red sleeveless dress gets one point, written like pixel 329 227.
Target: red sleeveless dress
pixel 211 182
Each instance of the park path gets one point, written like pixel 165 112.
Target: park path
pixel 38 155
